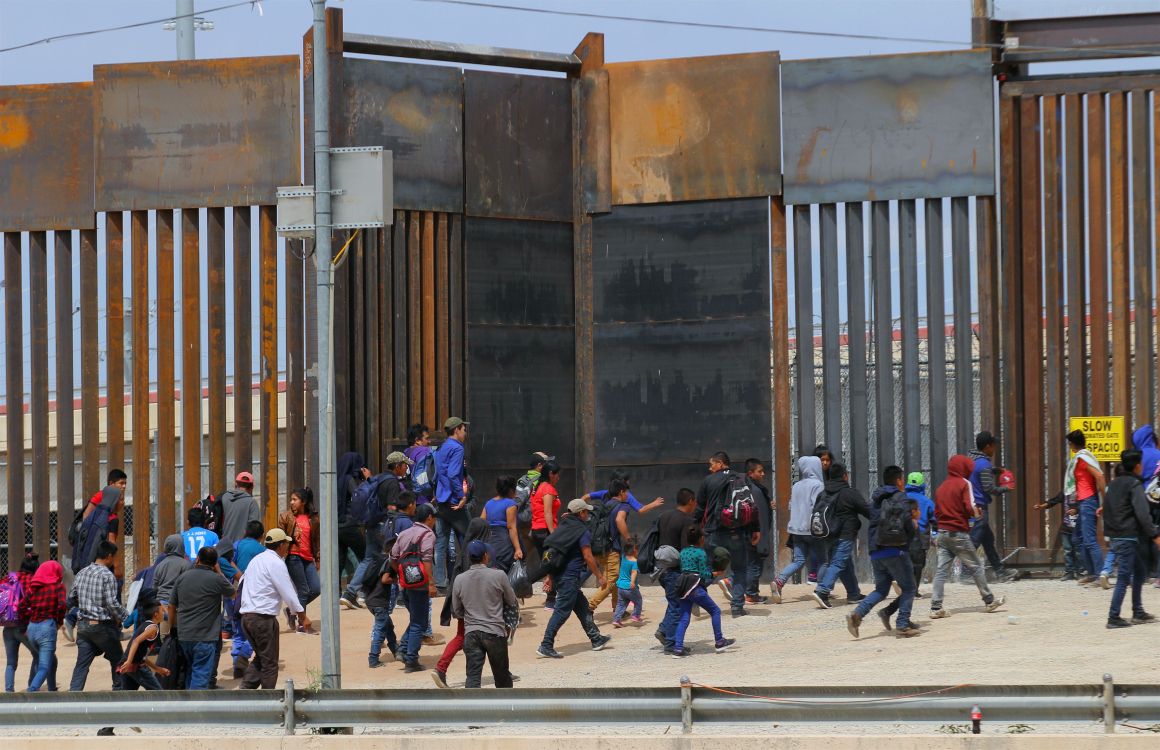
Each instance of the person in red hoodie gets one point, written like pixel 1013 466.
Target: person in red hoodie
pixel 954 508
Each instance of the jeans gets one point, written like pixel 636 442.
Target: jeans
pixel 453 647
pixel 1089 547
pixel 14 638
pixel 803 548
pixel 350 542
pixel 569 599
pixel 756 569
pixel 478 646
pixel 305 577
pixel 450 528
pixel 1071 561
pixel 240 648
pixel 43 636
pixel 419 608
pixel 839 564
pixel 141 678
pixel 371 562
pixel 383 629
pixel 982 535
pixel 626 597
pixel 887 571
pixel 1109 561
pixel 700 597
pixel 737 543
pixel 611 567
pixel 952 545
pixel 1132 570
pixel 668 626
pixel 102 639
pixel 201 656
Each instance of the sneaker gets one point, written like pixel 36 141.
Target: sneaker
pixel 70 631
pixel 660 637
pixel 995 603
pixel 1104 583
pixel 600 642
pixel 756 599
pixel 434 640
pixel 938 614
pixel 917 594
pixel 638 619
pixel 723 644
pixel 884 616
pixel 547 652
pixel 413 666
pixel 375 663
pixel 617 624
pixel 823 600
pixel 775 588
pixel 1086 580
pixel 680 653
pixel 812 577
pixel 439 678
pixel 855 598
pixel 1068 577
pixel 1142 618
pixel 735 613
pixel 1117 622
pixel 853 620
pixel 349 601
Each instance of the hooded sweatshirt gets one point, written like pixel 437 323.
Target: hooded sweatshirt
pixel 805 491
pixel 982 477
pixel 926 522
pixel 239 508
pixel 349 478
pixel 1144 438
pixel 849 505
pixel 877 551
pixel 173 564
pixel 954 500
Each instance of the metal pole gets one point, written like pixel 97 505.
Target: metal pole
pixel 1109 705
pixel 288 716
pixel 184 23
pixel 686 705
pixel 331 662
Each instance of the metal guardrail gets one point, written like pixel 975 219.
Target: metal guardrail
pixel 689 704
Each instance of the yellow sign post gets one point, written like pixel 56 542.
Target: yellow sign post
pixel 1106 436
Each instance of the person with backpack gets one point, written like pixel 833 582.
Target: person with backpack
pixel 96 595
pixel 729 518
pixel 1135 539
pixel 97 523
pixel 382 592
pixel 844 505
pixel 695 561
pixel 760 552
pixel 300 522
pixel 352 472
pixel 451 497
pixel 12 591
pixel 413 559
pixel 369 505
pixel 803 496
pixel 502 525
pixel 238 508
pixel 672 530
pixel 954 507
pixel 609 530
pixel 892 528
pixel 422 464
pixel 568 559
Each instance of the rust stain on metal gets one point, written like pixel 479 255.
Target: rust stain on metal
pixel 191 355
pixel 142 470
pixel 807 153
pixel 166 407
pixel 268 323
pixel 695 128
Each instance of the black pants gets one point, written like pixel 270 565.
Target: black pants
pixel 457 521
pixel 983 536
pixel 102 639
pixel 350 537
pixel 478 646
pixel 262 633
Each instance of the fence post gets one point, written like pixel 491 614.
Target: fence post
pixel 1109 705
pixel 686 705
pixel 288 717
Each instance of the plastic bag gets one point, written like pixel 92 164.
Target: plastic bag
pixel 521 583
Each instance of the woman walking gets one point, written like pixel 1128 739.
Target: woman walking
pixel 502 527
pixel 545 510
pixel 43 609
pixel 15 585
pixel 300 523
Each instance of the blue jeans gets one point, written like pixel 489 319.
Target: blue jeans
pixel 42 635
pixel 700 597
pixel 624 598
pixel 1131 571
pixel 737 543
pixel 202 658
pixel 240 646
pixel 305 577
pixel 803 549
pixel 419 608
pixel 569 599
pixel 887 571
pixel 668 626
pixel 839 564
pixel 14 638
pixel 372 561
pixel 1090 552
pixel 1071 562
pixel 382 630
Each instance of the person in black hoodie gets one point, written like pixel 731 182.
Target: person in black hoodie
pixel 849 505
pixel 758 553
pixel 712 496
pixel 352 471
pixel 1128 524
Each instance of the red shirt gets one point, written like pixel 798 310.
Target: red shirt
pixel 43 602
pixel 96 500
pixel 538 520
pixel 1085 483
pixel 301 545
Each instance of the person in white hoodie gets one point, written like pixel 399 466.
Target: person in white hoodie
pixel 801 507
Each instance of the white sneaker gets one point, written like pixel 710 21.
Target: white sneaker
pixel 938 614
pixel 999 601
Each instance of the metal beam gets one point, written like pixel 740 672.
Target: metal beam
pixel 1081 37
pixel 471 54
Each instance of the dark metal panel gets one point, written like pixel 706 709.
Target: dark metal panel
pixel 518 146
pixel 961 293
pixel 1054 405
pixel 517 274
pixel 458 320
pixel 191 355
pixel 782 418
pixel 831 342
pixel 908 299
pixel 851 125
pixel 1011 446
pixel 343 331
pixel 1120 264
pixel 1155 116
pixel 243 304
pixel 1143 357
pixel 167 515
pixel 374 343
pixel 38 393
pixel 880 287
pixel 142 471
pixel 115 332
pixel 400 336
pixel 936 346
pixel 471 54
pixel 1082 37
pixel 14 392
pixel 1075 252
pixel 595 144
pixel 427 325
pixel 442 318
pixel 295 359
pixel 46 157
pixel 65 432
pixel 354 269
pixel 216 297
pixel 803 280
pixel 268 324
pixel 414 319
pixel 583 273
pixel 1097 214
pixel 695 128
pixel 1031 312
pixel 195 132
pixel 857 453
pixel 989 305
pixel 90 365
pixel 416 112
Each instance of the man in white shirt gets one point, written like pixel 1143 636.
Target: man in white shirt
pixel 265 585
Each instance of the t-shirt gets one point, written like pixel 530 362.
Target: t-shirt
pixel 627 567
pixel 538 520
pixel 247 550
pixel 197 595
pixel 674 526
pixel 1085 483
pixel 615 510
pixel 496 510
pixel 301 545
pixel 694 560
pixel 576 565
pixel 196 538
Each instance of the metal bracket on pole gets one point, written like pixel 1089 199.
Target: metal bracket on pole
pixel 289 719
pixel 686 705
pixel 1109 705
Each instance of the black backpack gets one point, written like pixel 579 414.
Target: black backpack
pixel 646 553
pixel 364 503
pixel 893 518
pixel 598 528
pixel 525 488
pixel 215 513
pixel 740 509
pixel 824 518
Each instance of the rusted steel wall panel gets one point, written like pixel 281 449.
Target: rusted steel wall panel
pixel 1097 213
pixel 142 474
pixel 908 299
pixel 90 365
pixel 14 390
pixel 399 318
pixel 383 379
pixel 427 324
pixel 695 128
pixel 344 411
pixel 414 317
pixel 782 418
pixel 584 332
pixel 213 132
pixel 216 298
pixel 1053 269
pixel 1031 307
pixel 115 332
pixel 295 358
pixel 964 369
pixel 46 157
pixel 1143 357
pixel 65 404
pixel 1075 251
pixel 803 279
pixel 990 408
pixel 851 125
pixel 936 345
pixel 167 516
pixel 1081 37
pixel 1079 84
pixel 831 342
pixel 517 145
pixel 416 112
pixel 442 322
pixel 243 307
pixel 191 356
pixel 1120 264
pixel 858 454
pixel 38 393
pixel 268 316
pixel 374 344
pixel 883 328
pixel 1011 446
pixel 354 375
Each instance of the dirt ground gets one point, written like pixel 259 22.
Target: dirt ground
pixel 1048 632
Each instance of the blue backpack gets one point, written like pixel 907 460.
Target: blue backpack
pixel 423 476
pixel 364 504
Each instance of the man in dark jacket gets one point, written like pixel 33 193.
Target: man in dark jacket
pixel 849 505
pixel 758 553
pixel 1128 524
pixel 892 529
pixel 712 496
pixel 573 539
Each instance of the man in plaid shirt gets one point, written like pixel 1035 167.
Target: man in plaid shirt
pixel 96 594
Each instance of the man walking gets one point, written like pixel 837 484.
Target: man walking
pixel 954 507
pixel 803 495
pixel 450 497
pixel 100 614
pixel 1128 523
pixel 386 498
pixel 848 506
pixel 618 508
pixel 197 537
pixel 195 611
pixel 418 542
pixel 265 585
pixel 573 543
pixel 984 490
pixel 239 508
pixel 478 599
pixel 673 529
pixel 712 498
pixel 422 461
pixel 760 552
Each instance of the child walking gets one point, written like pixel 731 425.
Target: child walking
pixel 628 592
pixel 380 601
pixel 695 561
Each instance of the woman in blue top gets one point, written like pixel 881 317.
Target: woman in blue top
pixel 500 514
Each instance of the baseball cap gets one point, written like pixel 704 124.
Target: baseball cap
pixel 398 457
pixel 276 536
pixel 244 477
pixel 453 422
pixel 915 478
pixel 539 456
pixel 476 550
pixel 578 505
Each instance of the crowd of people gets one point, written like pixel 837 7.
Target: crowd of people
pixel 418 533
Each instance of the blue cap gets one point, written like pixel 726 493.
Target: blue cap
pixel 476 550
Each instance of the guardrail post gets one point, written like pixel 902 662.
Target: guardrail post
pixel 288 717
pixel 1109 705
pixel 686 705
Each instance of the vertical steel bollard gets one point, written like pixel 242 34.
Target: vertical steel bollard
pixel 686 705
pixel 288 717
pixel 1109 705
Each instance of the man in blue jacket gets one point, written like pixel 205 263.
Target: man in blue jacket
pixel 450 496
pixel 984 489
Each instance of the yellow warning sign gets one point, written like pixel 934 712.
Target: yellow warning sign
pixel 1106 436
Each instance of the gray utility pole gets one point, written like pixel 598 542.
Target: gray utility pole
pixel 324 367
pixel 184 21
